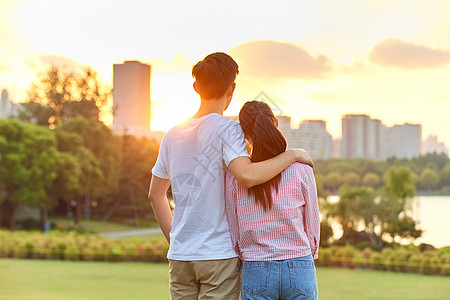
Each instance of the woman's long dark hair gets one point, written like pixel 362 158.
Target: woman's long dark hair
pixel 257 122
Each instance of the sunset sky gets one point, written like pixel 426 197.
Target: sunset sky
pixel 315 59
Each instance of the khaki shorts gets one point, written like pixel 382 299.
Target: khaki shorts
pixel 205 279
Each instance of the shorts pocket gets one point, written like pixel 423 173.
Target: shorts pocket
pixel 255 276
pixel 303 276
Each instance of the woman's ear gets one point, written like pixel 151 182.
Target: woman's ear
pixel 275 122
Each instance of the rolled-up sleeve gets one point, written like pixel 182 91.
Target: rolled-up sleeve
pixel 311 212
pixel 161 165
pixel 233 143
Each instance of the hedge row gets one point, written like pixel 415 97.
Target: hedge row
pixel 408 259
pixel 74 246
pixel 86 247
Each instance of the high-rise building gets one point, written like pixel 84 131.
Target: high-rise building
pixel 4 105
pixel 8 108
pixel 402 141
pixel 131 98
pixel 432 145
pixel 312 135
pixel 361 137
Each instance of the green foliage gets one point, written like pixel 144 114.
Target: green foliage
pixel 376 261
pixel 439 163
pixel 27 155
pixel 351 178
pixel 324 259
pixel 414 262
pixel 355 205
pixel 371 180
pixel 333 181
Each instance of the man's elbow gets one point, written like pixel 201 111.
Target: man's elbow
pixel 246 180
pixel 151 197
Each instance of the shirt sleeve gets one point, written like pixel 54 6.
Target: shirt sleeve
pixel 233 143
pixel 311 212
pixel 161 166
pixel 231 209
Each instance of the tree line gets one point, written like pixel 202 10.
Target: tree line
pixel 58 157
pixel 429 173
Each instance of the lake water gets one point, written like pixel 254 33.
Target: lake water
pixel 433 216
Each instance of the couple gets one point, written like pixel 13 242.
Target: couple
pixel 234 213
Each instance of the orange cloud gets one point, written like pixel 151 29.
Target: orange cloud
pixel 394 52
pixel 280 60
pixel 42 62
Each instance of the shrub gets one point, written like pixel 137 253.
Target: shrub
pixel 324 257
pixel 445 265
pixel 345 256
pixel 399 260
pixel 146 252
pixel 375 261
pixel 130 252
pixel 57 250
pixel 72 252
pixel 359 261
pixel 414 263
pixel 426 267
pixel 113 253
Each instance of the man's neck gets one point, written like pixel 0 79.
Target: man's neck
pixel 210 106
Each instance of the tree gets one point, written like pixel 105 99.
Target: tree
pixel 137 159
pixel 429 179
pixel 333 181
pixel 321 192
pixel 79 171
pixel 355 207
pixel 395 206
pixel 66 95
pixel 33 112
pixel 351 178
pixel 100 156
pixel 444 174
pixel 371 180
pixel 27 156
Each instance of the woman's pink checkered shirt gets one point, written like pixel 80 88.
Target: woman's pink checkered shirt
pixel 290 229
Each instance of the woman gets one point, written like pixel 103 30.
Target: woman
pixel 274 226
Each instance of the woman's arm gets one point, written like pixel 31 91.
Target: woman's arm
pixel 311 212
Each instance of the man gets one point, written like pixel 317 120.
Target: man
pixel 202 262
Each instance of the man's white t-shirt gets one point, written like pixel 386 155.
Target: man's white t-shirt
pixel 191 156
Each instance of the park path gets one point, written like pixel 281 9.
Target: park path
pixel 131 233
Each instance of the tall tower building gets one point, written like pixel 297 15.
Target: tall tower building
pixel 131 98
pixel 5 105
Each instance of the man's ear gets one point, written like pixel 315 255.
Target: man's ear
pixel 231 88
pixel 194 85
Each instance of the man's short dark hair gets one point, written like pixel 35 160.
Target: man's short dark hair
pixel 214 74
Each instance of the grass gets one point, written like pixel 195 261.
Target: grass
pixel 62 280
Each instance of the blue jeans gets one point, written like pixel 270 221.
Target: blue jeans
pixel 279 279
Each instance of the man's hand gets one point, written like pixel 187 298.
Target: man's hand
pixel 303 156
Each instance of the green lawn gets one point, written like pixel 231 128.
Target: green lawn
pixel 48 280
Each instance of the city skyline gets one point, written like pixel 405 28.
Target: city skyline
pixel 318 59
